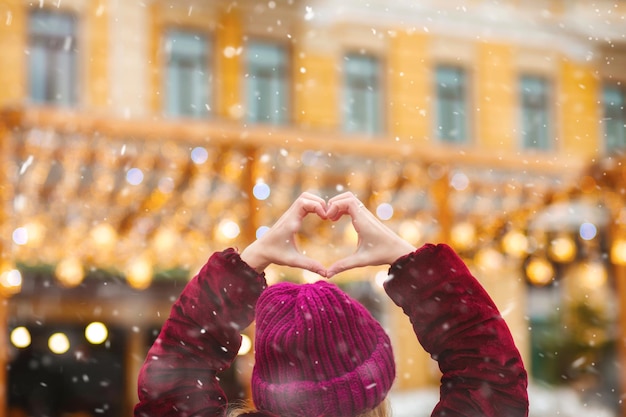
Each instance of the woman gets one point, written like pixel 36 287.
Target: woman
pixel 317 351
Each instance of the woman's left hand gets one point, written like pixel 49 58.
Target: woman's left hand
pixel 278 244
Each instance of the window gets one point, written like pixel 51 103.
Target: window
pixel 266 83
pixel 451 104
pixel 535 113
pixel 362 95
pixel 188 81
pixel 614 101
pixel 52 72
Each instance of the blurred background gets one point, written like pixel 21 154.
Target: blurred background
pixel 137 137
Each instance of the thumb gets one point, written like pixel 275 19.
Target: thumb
pixel 349 262
pixel 304 262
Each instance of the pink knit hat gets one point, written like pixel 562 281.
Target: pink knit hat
pixel 318 352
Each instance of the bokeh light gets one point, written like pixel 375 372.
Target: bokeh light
pixel 199 155
pixel 20 337
pixel 588 231
pixel 20 236
pixel 96 333
pixel 134 176
pixel 70 272
pixel 515 243
pixel 261 191
pixel 539 271
pixel 229 229
pixel 459 181
pixel 246 345
pixel 59 343
pixel 139 272
pixel 261 231
pixel 562 249
pixel 384 211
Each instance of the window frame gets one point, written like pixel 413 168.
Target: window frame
pixel 208 61
pixel 377 68
pixel 464 85
pixel 620 144
pixel 285 117
pixel 53 46
pixel 547 106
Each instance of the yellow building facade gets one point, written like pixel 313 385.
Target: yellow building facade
pixel 465 118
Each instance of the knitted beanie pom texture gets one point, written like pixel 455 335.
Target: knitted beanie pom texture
pixel 318 352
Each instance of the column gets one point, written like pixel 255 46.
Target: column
pixel 13 30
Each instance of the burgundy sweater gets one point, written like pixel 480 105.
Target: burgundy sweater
pixel 453 317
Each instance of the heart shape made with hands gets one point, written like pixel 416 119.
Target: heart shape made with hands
pixel 302 241
pixel 325 240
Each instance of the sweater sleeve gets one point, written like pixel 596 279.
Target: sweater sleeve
pixel 457 322
pixel 200 338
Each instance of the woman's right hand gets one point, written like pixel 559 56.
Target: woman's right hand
pixel 278 244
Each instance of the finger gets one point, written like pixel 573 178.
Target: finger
pixel 307 206
pixel 304 262
pixel 347 205
pixel 337 206
pixel 312 196
pixel 342 196
pixel 349 262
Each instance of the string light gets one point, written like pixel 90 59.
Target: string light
pixel 69 272
pixel 96 333
pixel 540 271
pixel 20 337
pixel 59 343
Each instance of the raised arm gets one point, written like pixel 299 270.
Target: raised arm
pixel 453 317
pixel 202 334
pixel 200 338
pixel 457 322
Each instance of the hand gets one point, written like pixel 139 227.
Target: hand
pixel 377 244
pixel 278 244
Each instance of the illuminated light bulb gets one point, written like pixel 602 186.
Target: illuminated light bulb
pixel 36 233
pixel 104 235
pixel 515 243
pixel 463 235
pixel 246 345
pixel 618 252
pixel 10 278
pixel 540 271
pixel 229 229
pixel 139 272
pixel 489 258
pixel 562 249
pixel 410 231
pixel 96 333
pixel 59 343
pixel 20 337
pixel 70 272
pixel 164 240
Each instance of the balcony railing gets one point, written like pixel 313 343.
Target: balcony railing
pixel 143 196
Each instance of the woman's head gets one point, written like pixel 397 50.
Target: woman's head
pixel 318 352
